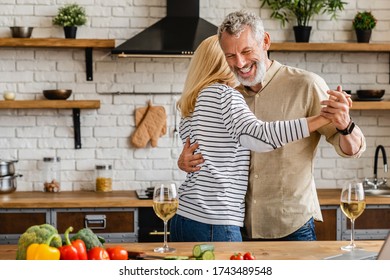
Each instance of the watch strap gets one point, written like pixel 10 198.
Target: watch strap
pixel 348 129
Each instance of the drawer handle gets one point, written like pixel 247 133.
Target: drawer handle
pixel 157 232
pixel 95 221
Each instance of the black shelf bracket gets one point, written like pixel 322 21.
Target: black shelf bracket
pixel 88 64
pixel 76 127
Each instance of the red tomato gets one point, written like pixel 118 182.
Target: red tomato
pixel 98 253
pixel 249 256
pixel 236 256
pixel 117 253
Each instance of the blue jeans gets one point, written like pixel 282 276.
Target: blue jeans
pixel 305 233
pixel 186 230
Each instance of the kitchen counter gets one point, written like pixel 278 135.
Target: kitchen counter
pixel 72 199
pixel 125 199
pixel 289 250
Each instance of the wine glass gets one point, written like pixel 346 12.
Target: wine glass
pixel 165 203
pixel 352 202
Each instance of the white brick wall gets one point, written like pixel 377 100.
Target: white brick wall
pixel 29 135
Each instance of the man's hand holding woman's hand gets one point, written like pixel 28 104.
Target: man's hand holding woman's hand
pixel 337 108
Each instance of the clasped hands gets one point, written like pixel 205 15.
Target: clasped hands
pixel 337 108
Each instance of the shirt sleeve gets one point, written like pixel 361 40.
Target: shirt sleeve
pixel 255 134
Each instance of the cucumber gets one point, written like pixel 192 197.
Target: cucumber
pixel 199 249
pixel 207 255
pixel 176 258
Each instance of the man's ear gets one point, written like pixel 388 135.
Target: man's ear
pixel 267 41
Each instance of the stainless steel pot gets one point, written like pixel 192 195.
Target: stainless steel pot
pixel 8 183
pixel 7 167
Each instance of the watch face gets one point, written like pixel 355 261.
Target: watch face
pixel 351 127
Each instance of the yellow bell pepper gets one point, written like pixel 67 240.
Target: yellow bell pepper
pixel 43 251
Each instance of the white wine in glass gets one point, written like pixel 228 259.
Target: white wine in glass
pixel 165 203
pixel 352 203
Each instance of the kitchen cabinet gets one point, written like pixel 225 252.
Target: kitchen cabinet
pixel 112 215
pixel 14 222
pixel 374 223
pixel 75 105
pixel 87 44
pixel 115 225
pixel 150 227
pixel 328 229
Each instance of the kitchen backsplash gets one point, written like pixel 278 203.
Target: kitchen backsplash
pixel 31 134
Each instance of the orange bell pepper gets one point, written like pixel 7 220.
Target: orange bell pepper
pixel 43 251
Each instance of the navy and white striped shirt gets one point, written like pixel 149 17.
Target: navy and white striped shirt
pixel 226 131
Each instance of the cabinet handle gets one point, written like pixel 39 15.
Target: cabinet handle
pixel 95 221
pixel 157 232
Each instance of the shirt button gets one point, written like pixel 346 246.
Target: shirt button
pixel 257 176
pixel 254 201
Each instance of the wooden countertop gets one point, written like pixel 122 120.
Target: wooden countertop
pixel 288 250
pixel 72 200
pixel 123 199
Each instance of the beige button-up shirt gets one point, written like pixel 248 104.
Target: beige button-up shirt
pixel 282 195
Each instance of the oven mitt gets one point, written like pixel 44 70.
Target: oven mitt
pixel 140 114
pixel 151 127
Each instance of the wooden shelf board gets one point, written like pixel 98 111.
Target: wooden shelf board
pixel 330 47
pixel 57 43
pixel 50 104
pixel 371 105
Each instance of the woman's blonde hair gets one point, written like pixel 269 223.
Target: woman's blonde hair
pixel 208 66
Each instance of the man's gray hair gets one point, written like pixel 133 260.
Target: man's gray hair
pixel 234 23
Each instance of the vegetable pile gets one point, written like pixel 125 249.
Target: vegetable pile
pixel 43 242
pixel 38 234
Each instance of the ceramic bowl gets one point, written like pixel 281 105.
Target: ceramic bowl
pixel 57 94
pixel 370 93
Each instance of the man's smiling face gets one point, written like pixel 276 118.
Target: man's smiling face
pixel 245 56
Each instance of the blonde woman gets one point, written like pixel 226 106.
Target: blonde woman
pixel 215 115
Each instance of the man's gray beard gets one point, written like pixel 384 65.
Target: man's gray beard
pixel 259 75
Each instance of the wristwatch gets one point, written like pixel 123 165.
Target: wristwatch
pixel 347 130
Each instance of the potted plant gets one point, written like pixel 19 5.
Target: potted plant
pixel 363 23
pixel 69 17
pixel 303 11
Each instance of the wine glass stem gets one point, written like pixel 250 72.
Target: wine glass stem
pixel 353 232
pixel 166 234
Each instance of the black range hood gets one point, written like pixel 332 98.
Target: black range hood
pixel 178 34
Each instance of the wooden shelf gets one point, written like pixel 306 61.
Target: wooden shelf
pixel 371 105
pixel 57 43
pixel 330 47
pixel 87 44
pixel 75 105
pixel 50 104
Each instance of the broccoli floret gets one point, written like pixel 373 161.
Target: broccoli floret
pixel 90 239
pixel 36 234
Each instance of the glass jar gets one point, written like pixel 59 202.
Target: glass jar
pixel 51 174
pixel 103 178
